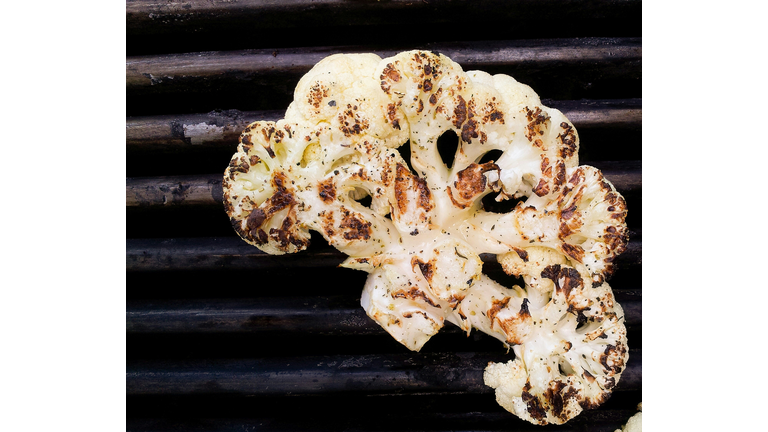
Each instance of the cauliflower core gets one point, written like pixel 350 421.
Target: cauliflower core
pixel 332 165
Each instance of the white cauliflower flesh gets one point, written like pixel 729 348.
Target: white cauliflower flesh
pixel 422 233
pixel 634 424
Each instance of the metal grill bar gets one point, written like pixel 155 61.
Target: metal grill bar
pixel 149 17
pixel 326 315
pixel 206 189
pixel 165 71
pixel 435 373
pixel 231 253
pixel 331 419
pixel 176 133
pixel 590 68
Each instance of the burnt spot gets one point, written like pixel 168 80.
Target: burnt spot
pixel 595 402
pixel 571 279
pixel 415 294
pixel 496 307
pixel 244 166
pixel 524 312
pixel 237 226
pixel 279 200
pixel 568 212
pixel 285 235
pixel 577 177
pixel 421 106
pixel 616 239
pixel 537 120
pixel 237 165
pixel 392 116
pixel 282 197
pixel 546 169
pixel 410 314
pixel 279 135
pixel 427 85
pixel 612 358
pixel 316 95
pixel 565 230
pixel 267 132
pixel 350 121
pixel 434 96
pixel 360 175
pixel 405 181
pixel 559 173
pixel 255 220
pixel 522 253
pixel 493 116
pixel 326 218
pixel 534 405
pixel 427 268
pixel 567 140
pixel 228 206
pixel 424 195
pixel 389 74
pixel 260 237
pixel 355 228
pixel 542 188
pixel 270 151
pixel 570 221
pixel 254 160
pixel 588 376
pixel 469 131
pixel 574 251
pixel 557 395
pixel 453 200
pixel 327 190
pixel 460 112
pixel 471 181
pixel 245 138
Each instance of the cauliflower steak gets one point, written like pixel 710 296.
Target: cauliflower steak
pixel 332 165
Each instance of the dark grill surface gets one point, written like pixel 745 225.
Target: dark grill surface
pixel 222 337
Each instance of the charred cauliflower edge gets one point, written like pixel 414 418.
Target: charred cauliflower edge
pixel 422 233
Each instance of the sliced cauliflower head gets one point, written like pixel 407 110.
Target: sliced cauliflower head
pixel 332 165
pixel 571 351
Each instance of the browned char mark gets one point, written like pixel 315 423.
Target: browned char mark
pixel 471 181
pixel 354 226
pixel 406 181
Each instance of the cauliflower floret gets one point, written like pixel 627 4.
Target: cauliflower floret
pixel 569 343
pixel 421 236
pixel 634 424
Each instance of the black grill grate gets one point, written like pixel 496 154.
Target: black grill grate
pixel 221 337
